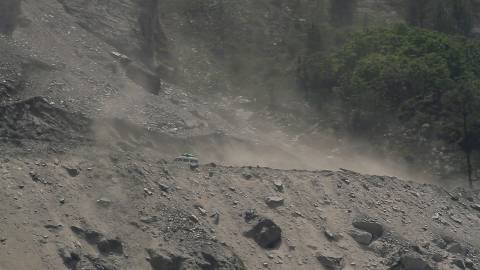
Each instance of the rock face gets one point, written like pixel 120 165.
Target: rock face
pixel 125 205
pixel 134 27
pixel 36 119
pixel 169 35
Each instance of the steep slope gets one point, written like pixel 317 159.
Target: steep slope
pixel 99 96
pixel 117 202
pixel 103 208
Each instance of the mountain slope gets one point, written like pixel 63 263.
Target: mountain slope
pixel 98 98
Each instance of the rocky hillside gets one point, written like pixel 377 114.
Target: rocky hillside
pixel 98 97
pixel 73 202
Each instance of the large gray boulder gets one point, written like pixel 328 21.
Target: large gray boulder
pixel 266 234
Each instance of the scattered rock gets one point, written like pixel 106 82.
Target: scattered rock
pixel 216 217
pixel 274 201
pixel 121 57
pixel 36 178
pixel 72 171
pixel 250 215
pixel 194 218
pixel 331 236
pixel 202 211
pixel 456 219
pixel 164 187
pixel 148 191
pixel 440 243
pixel 278 185
pixel 247 176
pixel 53 227
pixel 437 257
pixel 297 214
pixel 104 202
pixel 266 234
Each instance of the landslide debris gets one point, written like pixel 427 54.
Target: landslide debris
pixel 37 119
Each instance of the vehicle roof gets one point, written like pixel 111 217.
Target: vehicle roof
pixel 186 157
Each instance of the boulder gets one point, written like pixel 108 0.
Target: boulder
pixel 247 176
pixel 412 261
pixel 202 258
pixel 331 236
pixel 373 227
pixel 110 246
pixel 331 261
pixel 361 237
pixel 266 234
pixel 72 171
pixel 165 261
pixel 274 201
pixel 91 236
pixel 69 257
pixel 278 185
pixel 105 202
pixel 459 263
pixel 250 215
pixel 457 248
pixel 440 243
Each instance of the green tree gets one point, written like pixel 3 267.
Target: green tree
pixel 400 78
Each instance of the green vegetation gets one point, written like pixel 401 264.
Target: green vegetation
pixel 399 79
